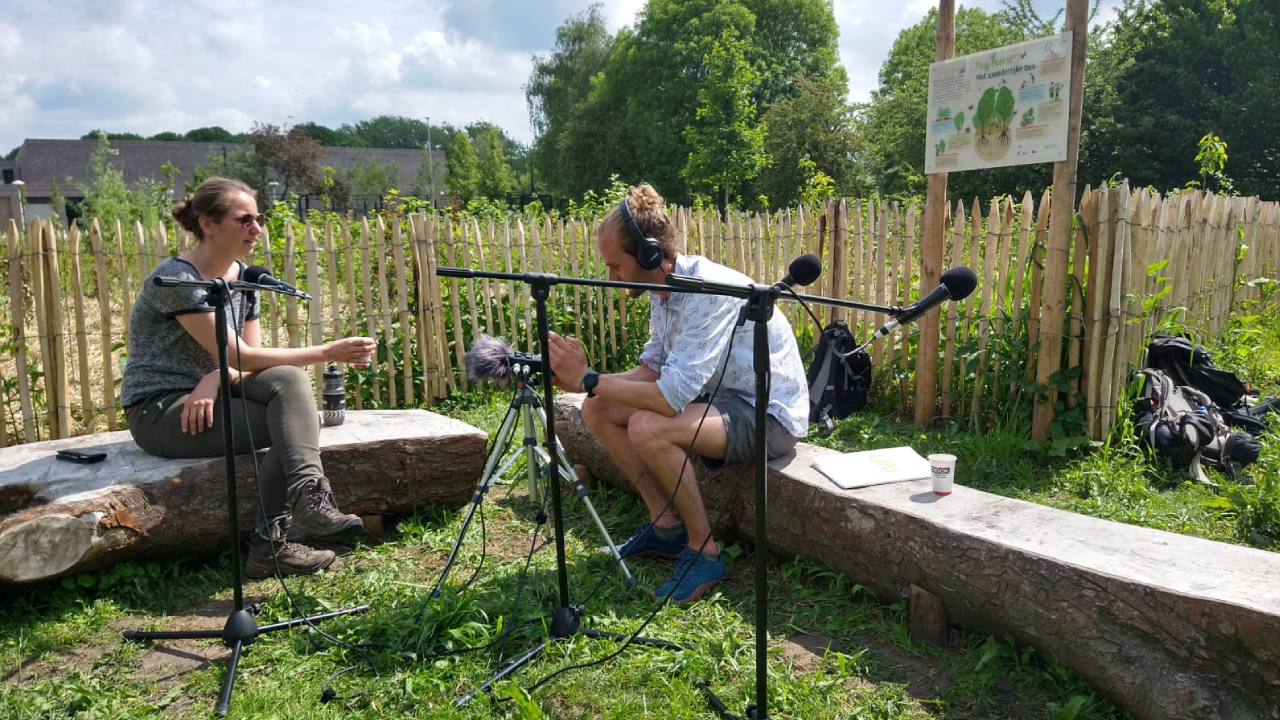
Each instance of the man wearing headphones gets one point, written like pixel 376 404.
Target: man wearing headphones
pixel 692 394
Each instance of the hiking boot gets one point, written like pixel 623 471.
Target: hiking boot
pixel 270 551
pixel 316 514
pixel 644 542
pixel 694 574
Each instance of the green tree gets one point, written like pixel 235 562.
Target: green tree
pixel 428 179
pixel 166 137
pixel 387 131
pixel 372 179
pixel 327 136
pixel 92 134
pixel 817 127
pixel 462 169
pixel 727 146
pixel 494 178
pixel 559 89
pixel 1174 70
pixel 633 122
pixel 213 134
pixel 108 198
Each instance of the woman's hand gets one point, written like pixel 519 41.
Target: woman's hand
pixel 197 412
pixel 352 350
pixel 568 362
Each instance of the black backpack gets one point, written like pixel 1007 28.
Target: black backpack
pixel 1182 424
pixel 1189 364
pixel 839 378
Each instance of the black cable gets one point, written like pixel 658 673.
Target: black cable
pixel 524 576
pixel 688 455
pixel 842 357
pixel 262 511
pixel 670 501
pixel 724 510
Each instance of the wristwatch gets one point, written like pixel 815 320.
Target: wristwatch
pixel 589 381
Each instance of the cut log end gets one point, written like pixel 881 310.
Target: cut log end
pixel 42 547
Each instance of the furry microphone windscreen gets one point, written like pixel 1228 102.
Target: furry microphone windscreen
pixel 489 359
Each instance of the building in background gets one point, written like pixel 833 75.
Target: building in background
pixel 41 163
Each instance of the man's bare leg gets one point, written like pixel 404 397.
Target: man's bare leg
pixel 662 442
pixel 608 422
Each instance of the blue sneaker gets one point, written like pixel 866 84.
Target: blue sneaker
pixel 645 543
pixel 692 577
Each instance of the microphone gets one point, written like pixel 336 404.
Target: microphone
pixel 802 271
pixel 259 275
pixel 957 283
pixel 493 359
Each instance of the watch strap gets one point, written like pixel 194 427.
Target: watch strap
pixel 589 381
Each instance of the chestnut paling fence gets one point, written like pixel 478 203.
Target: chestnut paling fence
pixel 1136 260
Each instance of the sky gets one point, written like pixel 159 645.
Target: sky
pixel 147 66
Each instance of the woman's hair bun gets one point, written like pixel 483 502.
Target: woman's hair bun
pixel 186 215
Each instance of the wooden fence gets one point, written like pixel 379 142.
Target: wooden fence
pixel 1136 259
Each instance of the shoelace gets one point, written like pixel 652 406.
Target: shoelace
pixel 323 500
pixel 683 561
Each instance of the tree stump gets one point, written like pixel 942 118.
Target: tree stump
pixel 59 518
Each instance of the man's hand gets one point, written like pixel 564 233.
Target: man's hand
pixel 569 361
pixel 197 411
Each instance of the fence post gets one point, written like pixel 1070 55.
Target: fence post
pixel 1057 255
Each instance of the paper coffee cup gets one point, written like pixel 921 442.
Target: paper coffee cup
pixel 943 469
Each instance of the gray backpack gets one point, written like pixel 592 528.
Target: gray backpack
pixel 1182 424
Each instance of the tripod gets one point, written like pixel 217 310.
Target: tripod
pixel 526 405
pixel 240 630
pixel 566 620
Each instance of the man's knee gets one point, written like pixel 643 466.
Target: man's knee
pixel 644 429
pixel 593 414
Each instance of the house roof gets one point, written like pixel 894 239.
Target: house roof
pixel 40 162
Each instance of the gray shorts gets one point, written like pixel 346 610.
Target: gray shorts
pixel 740 425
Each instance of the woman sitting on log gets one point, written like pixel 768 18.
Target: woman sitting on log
pixel 171 382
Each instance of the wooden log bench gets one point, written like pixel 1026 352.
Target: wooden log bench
pixel 59 518
pixel 1166 625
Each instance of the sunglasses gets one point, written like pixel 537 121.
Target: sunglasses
pixel 248 219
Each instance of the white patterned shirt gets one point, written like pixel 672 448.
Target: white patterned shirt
pixel 689 334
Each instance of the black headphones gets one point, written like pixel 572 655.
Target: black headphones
pixel 648 251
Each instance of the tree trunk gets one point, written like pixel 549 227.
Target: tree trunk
pixel 1167 626
pixel 61 519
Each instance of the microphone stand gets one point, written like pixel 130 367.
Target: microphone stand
pixel 566 619
pixel 240 629
pixel 761 300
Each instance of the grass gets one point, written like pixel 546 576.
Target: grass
pixel 835 650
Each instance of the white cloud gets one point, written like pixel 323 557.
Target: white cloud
pixel 10 41
pixel 371 54
pixel 435 59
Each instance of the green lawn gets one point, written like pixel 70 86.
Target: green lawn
pixel 835 650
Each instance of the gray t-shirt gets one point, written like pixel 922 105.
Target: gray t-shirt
pixel 163 357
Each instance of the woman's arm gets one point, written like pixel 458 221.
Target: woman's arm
pixel 202 327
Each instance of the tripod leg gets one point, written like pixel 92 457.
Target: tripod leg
pixel 500 443
pixel 531 454
pixel 514 666
pixel 224 700
pixel 580 491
